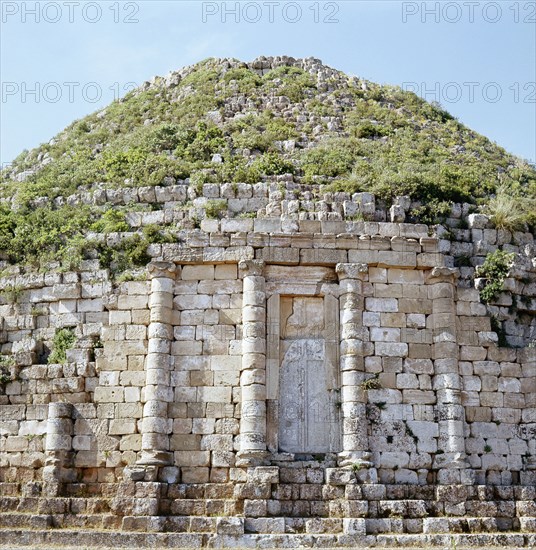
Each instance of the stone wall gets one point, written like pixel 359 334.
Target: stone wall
pixel 281 205
pixel 181 371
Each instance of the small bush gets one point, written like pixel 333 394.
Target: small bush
pixel 433 212
pixel 494 269
pixel 507 211
pixel 112 221
pixel 154 235
pixel 63 340
pixel 273 164
pixel 44 234
pixel 245 79
pixel 372 383
pixel 291 82
pixel 368 130
pixel 215 209
pixel 7 371
pixel 130 253
pixel 335 158
pixel 12 294
pixel 237 170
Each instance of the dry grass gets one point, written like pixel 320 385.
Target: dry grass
pixel 508 212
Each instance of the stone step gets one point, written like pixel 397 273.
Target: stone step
pixel 192 524
pixel 9 489
pixel 60 521
pixel 32 521
pixel 88 538
pixel 205 507
pixel 307 525
pixel 466 525
pixel 369 492
pixel 34 488
pixel 197 491
pixel 55 505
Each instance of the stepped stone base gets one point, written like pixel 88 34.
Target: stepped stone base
pixel 266 513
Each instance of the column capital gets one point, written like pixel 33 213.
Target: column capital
pixel 351 271
pixel 162 269
pixel 442 275
pixel 251 267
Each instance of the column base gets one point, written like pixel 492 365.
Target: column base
pixel 139 472
pixel 453 469
pixel 52 489
pixel 356 459
pixel 251 458
pixel 156 458
pixel 451 461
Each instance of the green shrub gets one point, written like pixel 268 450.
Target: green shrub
pixel 167 137
pixel 112 221
pixel 259 132
pixel 7 371
pixel 12 294
pixel 153 234
pixel 335 158
pixel 291 82
pixel 237 170
pixel 201 143
pixel 120 165
pixel 130 253
pixel 245 79
pixel 63 340
pixel 7 228
pixel 5 377
pixel 433 212
pixel 369 130
pixel 495 270
pixel 39 235
pixel 215 209
pixel 272 164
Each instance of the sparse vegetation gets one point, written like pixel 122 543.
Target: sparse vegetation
pixel 508 211
pixel 494 269
pixel 350 137
pixel 12 293
pixel 372 383
pixel 7 366
pixel 63 340
pixel 215 209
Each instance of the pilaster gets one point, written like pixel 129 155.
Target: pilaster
pixel 355 444
pixel 253 376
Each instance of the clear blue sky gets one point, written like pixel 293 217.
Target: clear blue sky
pixel 74 54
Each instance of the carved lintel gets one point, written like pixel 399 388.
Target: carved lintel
pixel 251 267
pixel 351 271
pixel 162 269
pixel 442 275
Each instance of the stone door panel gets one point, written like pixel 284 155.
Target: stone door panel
pixel 306 411
pixel 308 416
